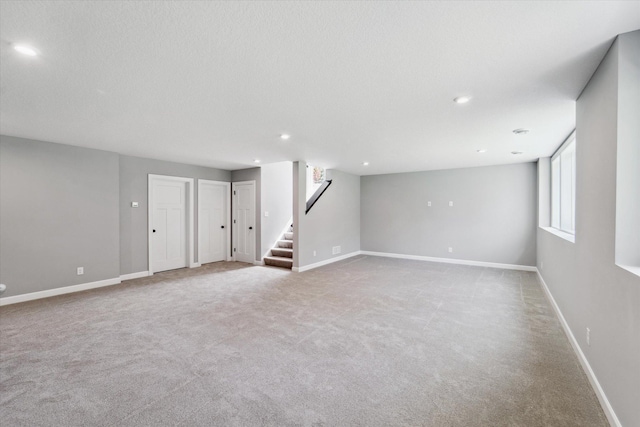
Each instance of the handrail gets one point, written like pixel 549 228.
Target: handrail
pixel 312 201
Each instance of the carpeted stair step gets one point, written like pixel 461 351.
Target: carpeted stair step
pixel 277 261
pixel 282 252
pixel 285 244
pixel 288 235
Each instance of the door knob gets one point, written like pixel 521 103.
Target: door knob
pixel 222 226
pixel 154 231
pixel 250 228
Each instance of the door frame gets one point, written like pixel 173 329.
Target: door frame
pixel 255 227
pixel 227 186
pixel 189 215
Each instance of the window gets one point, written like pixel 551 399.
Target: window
pixel 563 187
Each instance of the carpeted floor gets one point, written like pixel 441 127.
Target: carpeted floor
pixel 367 341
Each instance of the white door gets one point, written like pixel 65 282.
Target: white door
pixel 244 229
pixel 213 226
pixel 168 221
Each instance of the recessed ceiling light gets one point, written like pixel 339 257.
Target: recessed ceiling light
pixel 256 161
pixel 521 131
pixel 25 50
pixel 516 152
pixel 462 99
pixel 365 163
pixel 482 151
pixel 285 136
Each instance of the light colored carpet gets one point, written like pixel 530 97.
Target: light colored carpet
pixel 367 341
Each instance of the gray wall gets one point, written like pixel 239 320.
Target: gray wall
pixel 628 166
pixel 493 218
pixel 333 221
pixel 583 278
pixel 134 173
pixel 253 174
pixel 58 211
pixel 277 197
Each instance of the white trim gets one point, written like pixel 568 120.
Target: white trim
pixel 258 262
pixel 562 234
pixel 58 291
pixel 595 384
pixel 633 269
pixel 453 261
pixel 253 220
pixel 189 215
pixel 228 256
pixel 195 265
pixel 325 262
pixel 132 276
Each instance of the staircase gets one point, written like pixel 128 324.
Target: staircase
pixel 282 252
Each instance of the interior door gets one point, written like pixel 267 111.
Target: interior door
pixel 212 221
pixel 244 199
pixel 169 225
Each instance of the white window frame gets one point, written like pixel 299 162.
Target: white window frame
pixel 563 187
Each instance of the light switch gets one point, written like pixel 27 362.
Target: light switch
pixel 450 203
pixel 429 203
pixel 266 213
pixel 134 204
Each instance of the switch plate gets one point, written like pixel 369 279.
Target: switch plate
pixel 266 213
pixel 450 250
pixel 588 336
pixel 80 271
pixel 429 203
pixel 314 253
pixel 450 203
pixel 134 204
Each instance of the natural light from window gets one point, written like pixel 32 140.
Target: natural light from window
pixel 563 187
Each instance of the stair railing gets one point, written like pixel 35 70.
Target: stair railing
pixel 319 192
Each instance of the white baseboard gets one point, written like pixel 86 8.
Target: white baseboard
pixel 195 265
pixel 261 262
pixel 325 262
pixel 132 276
pixel 452 261
pixel 58 291
pixel 595 384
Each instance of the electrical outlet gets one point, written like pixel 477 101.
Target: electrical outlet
pixel 336 250
pixel 266 213
pixel 80 271
pixel 450 203
pixel 314 253
pixel 134 204
pixel 588 336
pixel 450 250
pixel 429 203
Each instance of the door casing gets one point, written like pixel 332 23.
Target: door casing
pixel 235 232
pixel 228 251
pixel 189 215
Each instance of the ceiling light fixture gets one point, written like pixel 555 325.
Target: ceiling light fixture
pixel 521 131
pixel 285 136
pixel 462 99
pixel 516 152
pixel 482 151
pixel 365 163
pixel 256 161
pixel 25 50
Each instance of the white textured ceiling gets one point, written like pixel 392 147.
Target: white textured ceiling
pixel 215 83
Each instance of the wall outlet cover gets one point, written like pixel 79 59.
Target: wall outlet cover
pixel 80 271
